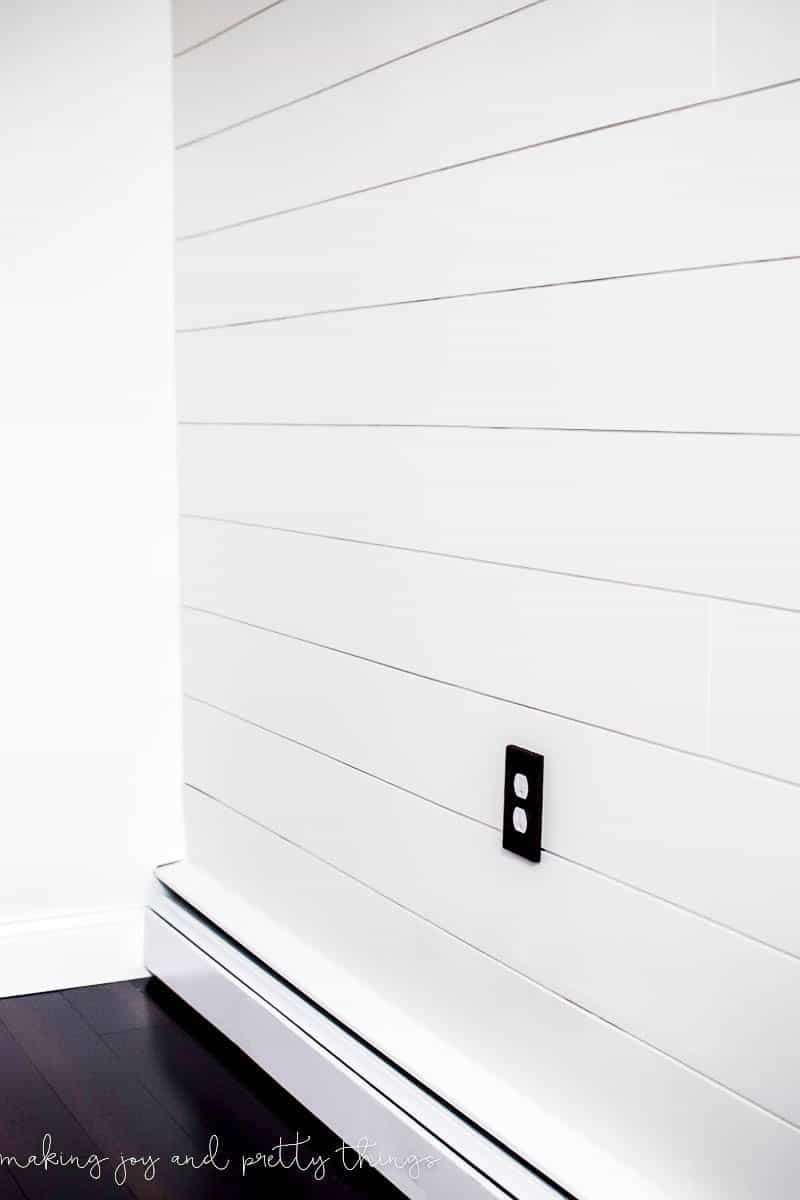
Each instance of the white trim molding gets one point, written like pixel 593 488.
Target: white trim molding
pixel 68 951
pixel 421 1145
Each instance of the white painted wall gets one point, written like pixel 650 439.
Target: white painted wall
pixel 89 713
pixel 488 394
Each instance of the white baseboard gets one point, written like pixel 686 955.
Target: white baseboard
pixel 51 953
pixel 347 1085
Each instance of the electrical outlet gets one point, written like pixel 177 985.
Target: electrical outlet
pixel 522 803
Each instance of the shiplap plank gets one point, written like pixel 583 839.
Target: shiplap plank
pixel 623 657
pixel 544 72
pixel 538 499
pixel 689 1001
pixel 302 45
pixel 756 42
pixel 510 359
pixel 713 184
pixel 194 21
pixel 669 823
pixel 754 697
pixel 545 1092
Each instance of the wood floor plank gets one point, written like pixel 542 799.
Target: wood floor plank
pixel 209 1086
pixel 111 1007
pixel 29 1110
pixel 8 1188
pixel 120 1116
pixel 129 1069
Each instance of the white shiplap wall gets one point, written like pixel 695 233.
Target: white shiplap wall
pixel 489 434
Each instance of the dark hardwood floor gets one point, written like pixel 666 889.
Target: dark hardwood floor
pixel 126 1071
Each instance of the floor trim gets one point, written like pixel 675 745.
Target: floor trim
pixel 50 953
pixel 345 1083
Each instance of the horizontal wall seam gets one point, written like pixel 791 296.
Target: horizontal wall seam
pixel 329 87
pixel 378 425
pixel 498 961
pixel 473 691
pixel 504 291
pixel 487 562
pixel 495 829
pixel 212 37
pixel 342 762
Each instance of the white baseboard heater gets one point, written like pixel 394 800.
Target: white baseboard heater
pixel 421 1145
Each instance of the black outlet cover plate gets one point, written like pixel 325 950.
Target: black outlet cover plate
pixel 531 766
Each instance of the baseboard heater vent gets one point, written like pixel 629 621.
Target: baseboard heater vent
pixel 346 1084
